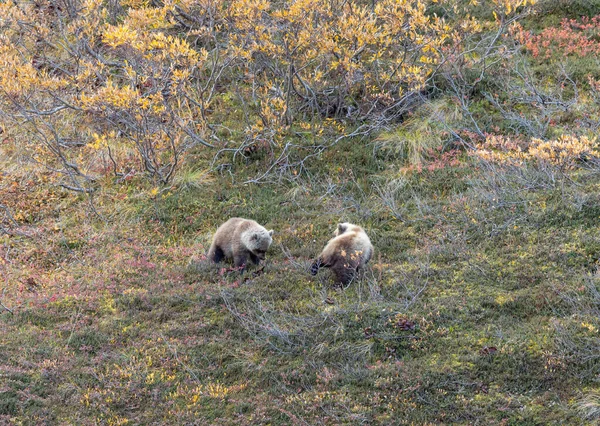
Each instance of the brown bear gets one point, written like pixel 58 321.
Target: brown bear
pixel 240 239
pixel 346 253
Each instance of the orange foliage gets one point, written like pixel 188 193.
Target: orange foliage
pixel 573 37
pixel 146 80
pixel 564 152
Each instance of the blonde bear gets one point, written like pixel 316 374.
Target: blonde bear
pixel 240 239
pixel 346 253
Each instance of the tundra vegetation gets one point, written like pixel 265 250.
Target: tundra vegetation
pixel 460 134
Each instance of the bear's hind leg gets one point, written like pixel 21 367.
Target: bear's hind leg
pixel 215 254
pixel 343 274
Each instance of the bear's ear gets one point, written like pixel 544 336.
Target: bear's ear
pixel 341 228
pixel 271 233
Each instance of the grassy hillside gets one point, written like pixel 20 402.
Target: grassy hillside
pixel 481 304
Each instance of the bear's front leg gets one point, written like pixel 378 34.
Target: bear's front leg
pixel 254 259
pixel 317 264
pixel 240 261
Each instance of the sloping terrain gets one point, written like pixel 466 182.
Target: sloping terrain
pixel 473 309
pixel 481 196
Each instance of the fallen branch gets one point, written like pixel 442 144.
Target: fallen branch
pixel 77 189
pixel 3 305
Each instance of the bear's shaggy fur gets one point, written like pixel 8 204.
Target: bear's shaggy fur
pixel 346 253
pixel 240 239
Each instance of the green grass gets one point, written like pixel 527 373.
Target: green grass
pixel 481 304
pixel 144 331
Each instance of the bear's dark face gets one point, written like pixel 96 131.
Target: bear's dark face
pixel 260 254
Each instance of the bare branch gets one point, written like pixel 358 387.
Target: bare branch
pixel 77 189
